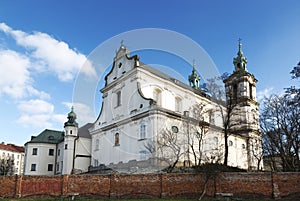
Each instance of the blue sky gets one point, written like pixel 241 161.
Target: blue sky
pixel 44 44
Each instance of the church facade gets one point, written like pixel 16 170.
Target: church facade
pixel 147 114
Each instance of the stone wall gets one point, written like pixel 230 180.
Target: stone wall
pixel 242 185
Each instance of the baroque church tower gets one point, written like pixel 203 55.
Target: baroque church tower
pixel 71 133
pixel 240 89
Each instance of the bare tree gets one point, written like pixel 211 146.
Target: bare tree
pixel 227 110
pixel 198 131
pixel 280 122
pixel 167 149
pixel 6 166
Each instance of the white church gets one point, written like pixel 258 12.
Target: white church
pixel 147 115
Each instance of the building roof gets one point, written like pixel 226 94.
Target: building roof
pixel 48 136
pixel 84 131
pixel 11 147
pixel 171 79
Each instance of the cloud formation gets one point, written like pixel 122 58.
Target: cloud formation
pixel 38 113
pixel 47 53
pixel 32 55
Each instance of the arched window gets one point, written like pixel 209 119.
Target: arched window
pixel 117 139
pixel 118 99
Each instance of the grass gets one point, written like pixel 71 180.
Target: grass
pixel 95 199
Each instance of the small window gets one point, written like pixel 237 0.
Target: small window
pixel 243 146
pixel 174 129
pixel 33 167
pixel 117 139
pixel 230 143
pixel 57 166
pixel 118 99
pixel 50 167
pixel 58 152
pixel 177 104
pixel 120 64
pixel 51 152
pixel 97 145
pixel 66 146
pixel 211 117
pixel 143 155
pixel 250 90
pixel 143 131
pixel 34 151
pixel 71 132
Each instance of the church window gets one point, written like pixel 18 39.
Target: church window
pixel 211 117
pixel 250 90
pixel 243 146
pixel 157 96
pixel 97 145
pixel 34 151
pixel 66 146
pixel 177 104
pixel 143 155
pixel 235 88
pixel 120 64
pixel 143 131
pixel 96 162
pixel 174 129
pixel 58 152
pixel 230 143
pixel 71 132
pixel 117 139
pixel 118 103
pixel 215 141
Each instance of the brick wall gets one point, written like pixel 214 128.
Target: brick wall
pixel 242 185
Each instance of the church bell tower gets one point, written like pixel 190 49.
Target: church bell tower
pixel 240 89
pixel 71 133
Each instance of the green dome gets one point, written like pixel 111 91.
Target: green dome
pixel 71 119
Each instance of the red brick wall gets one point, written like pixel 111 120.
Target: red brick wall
pixel 40 186
pixel 249 185
pixel 7 186
pixel 243 185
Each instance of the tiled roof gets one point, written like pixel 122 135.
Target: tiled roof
pixel 12 147
pixel 48 136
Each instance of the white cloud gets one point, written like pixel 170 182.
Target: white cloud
pixel 15 76
pixel 264 93
pixel 47 52
pixel 39 113
pixel 36 107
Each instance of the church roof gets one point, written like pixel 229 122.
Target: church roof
pixel 84 131
pixel 171 79
pixel 48 136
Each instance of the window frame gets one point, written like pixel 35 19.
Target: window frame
pixel 50 167
pixel 51 152
pixel 34 151
pixel 33 167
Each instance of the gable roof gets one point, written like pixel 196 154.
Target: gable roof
pixel 48 136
